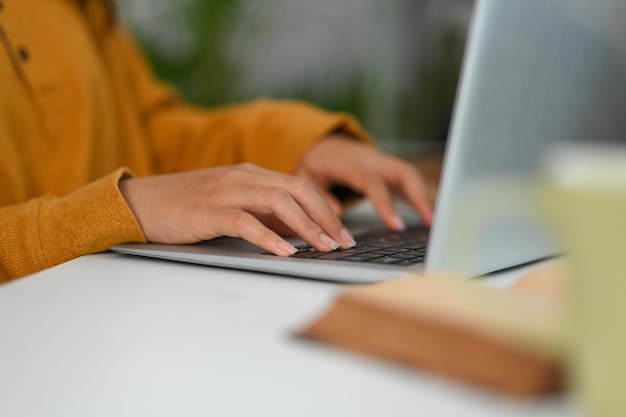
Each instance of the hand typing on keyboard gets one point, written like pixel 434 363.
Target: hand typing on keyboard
pixel 392 248
pixel 341 160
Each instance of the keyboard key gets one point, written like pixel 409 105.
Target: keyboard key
pixel 392 248
pixel 334 255
pixel 386 260
pixel 307 253
pixel 357 258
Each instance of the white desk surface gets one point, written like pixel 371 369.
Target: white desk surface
pixel 110 335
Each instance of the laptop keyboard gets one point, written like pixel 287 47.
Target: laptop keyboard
pixel 384 247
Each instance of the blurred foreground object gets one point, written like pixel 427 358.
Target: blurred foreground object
pixel 506 340
pixel 585 196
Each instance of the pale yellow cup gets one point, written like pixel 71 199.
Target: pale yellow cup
pixel 585 198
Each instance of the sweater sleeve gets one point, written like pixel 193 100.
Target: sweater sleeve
pixel 271 133
pixel 47 231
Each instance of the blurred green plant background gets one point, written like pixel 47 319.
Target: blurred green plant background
pixel 393 64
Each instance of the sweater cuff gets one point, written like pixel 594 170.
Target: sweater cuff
pixel 89 220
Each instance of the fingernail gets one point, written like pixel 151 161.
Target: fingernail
pixel 397 223
pixel 287 248
pixel 327 241
pixel 346 238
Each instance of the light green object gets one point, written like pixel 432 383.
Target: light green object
pixel 586 198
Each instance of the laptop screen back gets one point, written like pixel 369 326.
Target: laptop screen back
pixel 536 72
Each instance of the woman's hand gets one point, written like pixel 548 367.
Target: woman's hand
pixel 340 160
pixel 238 201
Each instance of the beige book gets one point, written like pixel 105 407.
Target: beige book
pixel 506 340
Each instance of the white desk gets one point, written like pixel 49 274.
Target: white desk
pixel 109 335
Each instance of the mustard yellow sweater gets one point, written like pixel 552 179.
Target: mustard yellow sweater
pixel 79 110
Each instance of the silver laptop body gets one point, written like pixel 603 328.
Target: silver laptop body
pixel 536 72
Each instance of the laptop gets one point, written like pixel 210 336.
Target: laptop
pixel 535 73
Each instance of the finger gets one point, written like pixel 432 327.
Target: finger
pixel 322 188
pixel 332 201
pixel 411 186
pixel 375 188
pixel 378 192
pixel 311 206
pixel 318 206
pixel 272 222
pixel 284 206
pixel 298 204
pixel 236 223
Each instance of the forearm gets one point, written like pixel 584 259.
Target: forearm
pixel 47 231
pixel 272 134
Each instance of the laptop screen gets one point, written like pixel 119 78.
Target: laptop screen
pixel 536 72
